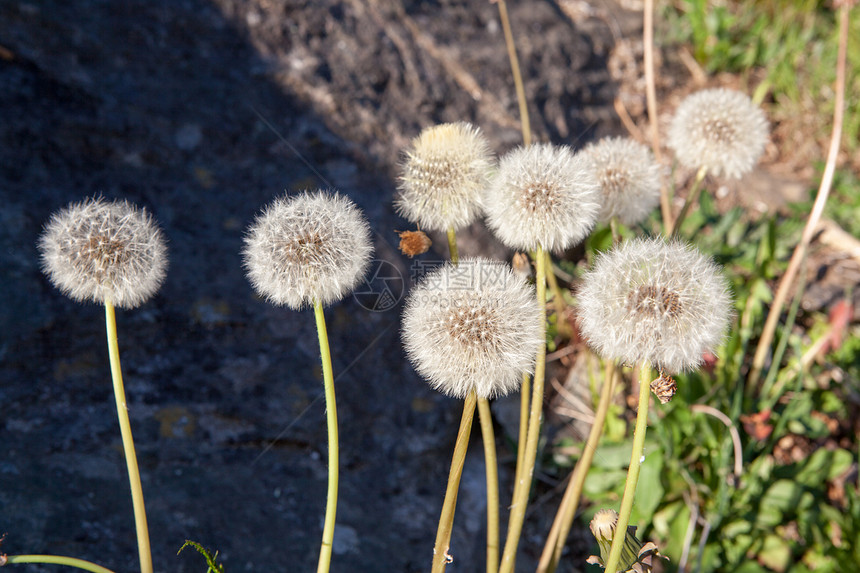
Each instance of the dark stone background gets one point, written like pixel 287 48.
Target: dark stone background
pixel 203 112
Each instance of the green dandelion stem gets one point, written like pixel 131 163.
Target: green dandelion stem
pixel 331 422
pixel 612 562
pixel 127 442
pixel 489 437
pixel 452 245
pixel 446 520
pixel 525 124
pixel 525 394
pixel 521 490
pixel 692 197
pixel 55 560
pixel 570 502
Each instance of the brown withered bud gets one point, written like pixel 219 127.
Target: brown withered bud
pixel 664 387
pixel 414 243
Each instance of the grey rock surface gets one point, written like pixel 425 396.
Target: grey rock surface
pixel 202 112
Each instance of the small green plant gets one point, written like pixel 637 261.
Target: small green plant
pixel 211 559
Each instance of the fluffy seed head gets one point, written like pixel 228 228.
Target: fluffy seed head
pixel 104 251
pixel 543 195
pixel 603 524
pixel 446 170
pixel 628 177
pixel 653 300
pixel 719 129
pixel 313 246
pixel 473 326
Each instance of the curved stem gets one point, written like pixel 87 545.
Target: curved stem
pixel 524 479
pixel 692 197
pixel 140 525
pixel 633 470
pixel 55 560
pixel 446 520
pixel 570 502
pixel 331 423
pixel 489 438
pixel 817 208
pixel 515 71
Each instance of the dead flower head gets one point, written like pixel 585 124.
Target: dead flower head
pixel 653 300
pixel 104 251
pixel 445 171
pixel 543 196
pixel 475 326
pixel 307 248
pixel 719 129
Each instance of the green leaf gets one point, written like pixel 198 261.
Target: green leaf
pixel 775 553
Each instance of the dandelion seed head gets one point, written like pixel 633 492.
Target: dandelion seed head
pixel 104 251
pixel 306 248
pixel 443 176
pixel 654 300
pixel 475 326
pixel 543 195
pixel 719 129
pixel 628 177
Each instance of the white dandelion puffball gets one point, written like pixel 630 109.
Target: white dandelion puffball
pixel 654 300
pixel 543 196
pixel 445 172
pixel 719 129
pixel 306 248
pixel 628 176
pixel 475 326
pixel 104 251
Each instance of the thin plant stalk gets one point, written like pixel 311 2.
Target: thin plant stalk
pixel 633 470
pixel 524 478
pixel 651 100
pixel 331 422
pixel 525 124
pixel 141 527
pixel 452 245
pixel 489 438
pixel 817 208
pixel 525 394
pixel 446 520
pixel 570 502
pixel 55 560
pixel 692 198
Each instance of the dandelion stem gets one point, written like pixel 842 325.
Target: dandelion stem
pixel 524 478
pixel 446 520
pixel 515 72
pixel 651 99
pixel 692 197
pixel 452 245
pixel 570 502
pixel 525 395
pixel 817 208
pixel 127 442
pixel 55 560
pixel 612 562
pixel 489 438
pixel 331 422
